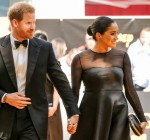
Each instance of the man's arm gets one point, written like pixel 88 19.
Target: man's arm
pixel 62 85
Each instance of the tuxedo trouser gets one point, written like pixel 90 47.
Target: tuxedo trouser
pixel 23 128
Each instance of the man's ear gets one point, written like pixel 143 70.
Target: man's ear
pixel 14 23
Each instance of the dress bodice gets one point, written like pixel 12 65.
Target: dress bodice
pixel 108 78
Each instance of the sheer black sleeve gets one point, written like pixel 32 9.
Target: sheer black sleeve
pixel 76 73
pixel 130 91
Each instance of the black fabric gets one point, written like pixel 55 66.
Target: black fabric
pixel 49 89
pixel 24 43
pixel 23 128
pixel 104 109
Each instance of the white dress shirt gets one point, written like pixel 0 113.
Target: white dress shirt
pixel 20 57
pixel 140 59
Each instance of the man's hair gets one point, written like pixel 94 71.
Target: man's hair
pixel 41 34
pixel 146 29
pixel 17 10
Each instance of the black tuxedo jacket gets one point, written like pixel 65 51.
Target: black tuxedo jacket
pixel 41 60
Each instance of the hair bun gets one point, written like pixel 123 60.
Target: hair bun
pixel 89 31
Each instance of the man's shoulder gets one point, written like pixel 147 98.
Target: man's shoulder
pixel 4 39
pixel 40 42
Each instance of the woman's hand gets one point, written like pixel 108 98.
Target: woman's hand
pixel 143 125
pixel 51 111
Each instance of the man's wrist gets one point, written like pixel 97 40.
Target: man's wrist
pixel 4 98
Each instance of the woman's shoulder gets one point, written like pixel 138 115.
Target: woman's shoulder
pixel 116 51
pixel 83 55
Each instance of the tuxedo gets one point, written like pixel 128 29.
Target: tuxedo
pixel 41 60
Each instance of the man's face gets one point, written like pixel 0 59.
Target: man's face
pixel 25 28
pixel 145 37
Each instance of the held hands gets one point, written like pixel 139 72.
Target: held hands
pixel 17 100
pixel 72 124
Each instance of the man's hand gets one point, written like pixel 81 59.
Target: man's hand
pixel 17 100
pixel 72 124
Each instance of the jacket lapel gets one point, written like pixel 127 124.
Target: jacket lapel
pixel 33 53
pixel 6 51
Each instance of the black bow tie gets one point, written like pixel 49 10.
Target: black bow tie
pixel 24 43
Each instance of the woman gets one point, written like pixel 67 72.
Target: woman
pixel 104 71
pixel 59 46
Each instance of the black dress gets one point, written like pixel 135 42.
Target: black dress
pixel 104 108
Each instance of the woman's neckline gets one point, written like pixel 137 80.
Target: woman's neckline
pixel 101 52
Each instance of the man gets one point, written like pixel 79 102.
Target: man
pixel 139 53
pixel 23 69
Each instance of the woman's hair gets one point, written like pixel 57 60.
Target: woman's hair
pixel 41 35
pixel 100 25
pixel 70 55
pixel 73 52
pixel 17 10
pixel 59 46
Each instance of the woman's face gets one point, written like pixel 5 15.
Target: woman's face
pixel 109 38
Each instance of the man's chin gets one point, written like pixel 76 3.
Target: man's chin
pixel 30 37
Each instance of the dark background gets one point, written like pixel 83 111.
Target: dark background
pixel 73 30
